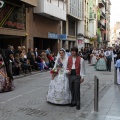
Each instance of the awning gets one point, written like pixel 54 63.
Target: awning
pixel 30 2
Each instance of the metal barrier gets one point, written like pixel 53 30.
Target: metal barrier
pixel 96 94
pixel 115 75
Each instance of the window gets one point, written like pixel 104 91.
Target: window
pixel 72 27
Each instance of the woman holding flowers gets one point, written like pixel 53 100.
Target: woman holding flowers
pixel 59 92
pixel 6 78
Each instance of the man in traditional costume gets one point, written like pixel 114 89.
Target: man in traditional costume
pixel 76 71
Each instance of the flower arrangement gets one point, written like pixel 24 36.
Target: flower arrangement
pixel 54 71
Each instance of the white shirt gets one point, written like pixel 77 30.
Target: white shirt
pixel 82 66
pixel 109 53
pixel 36 54
pixel 74 60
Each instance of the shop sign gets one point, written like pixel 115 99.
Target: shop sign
pixel 53 36
pixel 13 17
pixel 63 37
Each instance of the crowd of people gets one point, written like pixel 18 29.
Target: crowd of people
pixel 25 62
pixel 15 62
pixel 100 58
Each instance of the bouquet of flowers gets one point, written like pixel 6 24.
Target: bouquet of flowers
pixel 54 71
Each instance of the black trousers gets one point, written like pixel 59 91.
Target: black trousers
pixel 109 60
pixel 74 82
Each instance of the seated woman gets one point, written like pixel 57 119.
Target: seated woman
pixel 51 59
pixel 6 79
pixel 15 63
pixel 40 63
pixel 45 60
pixel 25 66
pixel 101 62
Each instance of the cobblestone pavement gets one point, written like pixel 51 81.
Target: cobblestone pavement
pixel 28 100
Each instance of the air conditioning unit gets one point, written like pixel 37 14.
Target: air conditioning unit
pixel 1 3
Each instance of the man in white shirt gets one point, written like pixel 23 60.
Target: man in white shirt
pixel 76 70
pixel 109 56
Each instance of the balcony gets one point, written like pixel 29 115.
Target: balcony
pixel 91 16
pixel 101 26
pixel 101 3
pixel 102 15
pixel 50 10
pixel 30 2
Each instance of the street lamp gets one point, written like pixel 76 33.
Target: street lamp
pixel 1 3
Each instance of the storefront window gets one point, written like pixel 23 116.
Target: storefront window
pixel 13 16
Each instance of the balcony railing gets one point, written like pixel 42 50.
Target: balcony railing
pixel 102 14
pixel 101 3
pixel 101 26
pixel 50 10
pixel 30 2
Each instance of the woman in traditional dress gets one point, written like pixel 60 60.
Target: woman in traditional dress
pixel 59 92
pixel 101 62
pixel 118 69
pixel 93 56
pixel 6 79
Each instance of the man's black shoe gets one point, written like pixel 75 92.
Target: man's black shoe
pixel 78 107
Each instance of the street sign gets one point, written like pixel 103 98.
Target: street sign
pixel 1 3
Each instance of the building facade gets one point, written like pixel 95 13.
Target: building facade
pixel 13 23
pixel 55 23
pixel 107 22
pixel 101 22
pixel 92 22
pixel 46 24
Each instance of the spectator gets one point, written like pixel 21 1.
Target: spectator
pixel 68 53
pixel 45 59
pixel 9 51
pixel 19 50
pixel 51 59
pixel 25 66
pixel 33 62
pixel 29 54
pixel 40 64
pixel 36 52
pixel 24 52
pixel 17 65
pixel 48 51
pixel 12 60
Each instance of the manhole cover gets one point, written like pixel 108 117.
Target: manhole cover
pixel 32 112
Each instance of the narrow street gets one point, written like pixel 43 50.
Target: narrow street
pixel 28 100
